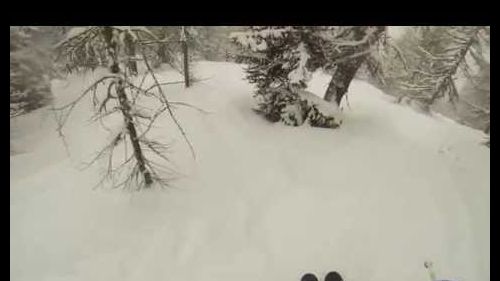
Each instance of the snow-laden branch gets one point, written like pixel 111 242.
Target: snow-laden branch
pixel 350 57
pixel 477 108
pixel 167 104
pixel 74 34
pixel 369 34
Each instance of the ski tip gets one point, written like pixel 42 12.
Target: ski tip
pixel 333 276
pixel 309 277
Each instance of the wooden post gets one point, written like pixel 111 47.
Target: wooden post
pixel 186 57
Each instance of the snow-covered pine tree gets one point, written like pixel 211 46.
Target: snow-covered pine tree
pixel 427 63
pixel 30 67
pixel 343 50
pixel 435 59
pixel 476 91
pixel 278 60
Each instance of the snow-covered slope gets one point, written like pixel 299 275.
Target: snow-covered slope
pixel 390 189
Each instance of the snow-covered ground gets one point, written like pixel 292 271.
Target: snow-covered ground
pixel 374 200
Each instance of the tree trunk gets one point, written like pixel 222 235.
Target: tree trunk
pixel 341 79
pixel 162 53
pixel 344 71
pixel 162 48
pixel 125 107
pixel 130 49
pixel 186 63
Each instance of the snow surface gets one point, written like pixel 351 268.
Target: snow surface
pixel 374 199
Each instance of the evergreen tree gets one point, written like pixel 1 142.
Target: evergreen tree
pixel 279 65
pixel 442 51
pixel 434 58
pixel 347 48
pixel 285 57
pixel 30 67
pixel 437 57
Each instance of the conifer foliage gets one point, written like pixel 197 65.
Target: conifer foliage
pixel 279 65
pixel 436 56
pixel 440 52
pixel 30 68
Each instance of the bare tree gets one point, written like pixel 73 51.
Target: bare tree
pixel 122 95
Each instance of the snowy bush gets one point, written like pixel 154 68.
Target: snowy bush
pixel 297 107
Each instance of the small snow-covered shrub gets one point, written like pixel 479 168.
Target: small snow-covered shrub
pixel 317 118
pixel 295 107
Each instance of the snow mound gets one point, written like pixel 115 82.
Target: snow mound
pixel 374 199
